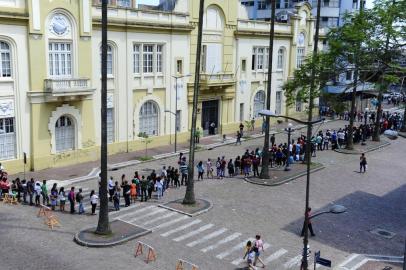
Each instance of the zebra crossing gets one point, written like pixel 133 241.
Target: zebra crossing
pixel 208 238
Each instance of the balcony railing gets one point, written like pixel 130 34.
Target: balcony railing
pixel 68 85
pixel 217 78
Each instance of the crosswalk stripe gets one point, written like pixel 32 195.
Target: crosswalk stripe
pixel 152 213
pixel 136 212
pixel 160 218
pixel 181 228
pixel 221 242
pixel 235 248
pixel 292 262
pixel 207 237
pixel 169 223
pixel 201 229
pixel 275 255
pixel 125 209
pixel 239 260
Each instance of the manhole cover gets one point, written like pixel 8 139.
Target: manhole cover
pixel 384 233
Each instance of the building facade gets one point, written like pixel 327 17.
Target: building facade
pixel 50 74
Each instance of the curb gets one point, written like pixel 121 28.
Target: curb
pixel 114 243
pixel 187 214
pixel 318 168
pixel 366 151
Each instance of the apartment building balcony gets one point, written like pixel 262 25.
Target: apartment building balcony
pixel 222 79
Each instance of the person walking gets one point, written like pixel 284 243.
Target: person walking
pixel 308 216
pixel 258 246
pixel 79 200
pixel 362 163
pixel 93 201
pixel 62 199
pixel 238 138
pixel 273 140
pixel 71 198
pixel 241 129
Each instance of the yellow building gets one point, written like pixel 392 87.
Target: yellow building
pixel 50 74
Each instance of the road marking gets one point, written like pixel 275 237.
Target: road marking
pixel 159 218
pixel 239 260
pixel 169 223
pixel 358 265
pixel 181 228
pixel 275 255
pixel 125 209
pixel 292 262
pixel 235 248
pixel 152 213
pixel 136 211
pixel 352 257
pixel 207 237
pixel 201 229
pixel 221 242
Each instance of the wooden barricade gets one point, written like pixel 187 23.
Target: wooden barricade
pixel 49 219
pixel 10 199
pixel 141 247
pixel 182 264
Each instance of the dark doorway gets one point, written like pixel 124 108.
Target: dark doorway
pixel 210 115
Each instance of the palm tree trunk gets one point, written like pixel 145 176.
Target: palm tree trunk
pixel 190 193
pixel 103 226
pixel 265 151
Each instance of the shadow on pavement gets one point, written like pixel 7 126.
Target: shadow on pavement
pixel 350 231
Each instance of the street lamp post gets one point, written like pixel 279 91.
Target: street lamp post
pixel 289 130
pixel 176 106
pixel 364 130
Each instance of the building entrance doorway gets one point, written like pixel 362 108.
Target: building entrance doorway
pixel 210 117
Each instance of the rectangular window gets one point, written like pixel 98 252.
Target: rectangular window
pixel 124 3
pixel 260 58
pixel 60 59
pixel 254 58
pixel 278 108
pixel 261 5
pixel 147 57
pixel 300 56
pixel 279 64
pixel 7 138
pixel 110 125
pixel 243 65
pixel 203 60
pixel 179 66
pixel 137 58
pixel 348 75
pixel 159 58
pixel 241 112
pixel 178 118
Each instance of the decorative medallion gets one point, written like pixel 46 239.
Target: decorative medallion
pixel 59 25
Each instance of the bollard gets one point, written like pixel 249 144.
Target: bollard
pixel 151 255
pixel 182 263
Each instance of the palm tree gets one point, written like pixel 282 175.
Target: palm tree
pixel 103 226
pixel 190 193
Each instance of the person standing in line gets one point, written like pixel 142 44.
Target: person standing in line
pixel 273 140
pixel 116 197
pixel 111 188
pixel 30 190
pixel 255 165
pixel 93 201
pixel 71 198
pixel 176 178
pixel 54 196
pixel 133 192
pixel 126 192
pixel 362 163
pixel 44 189
pixel 230 167
pixel 308 216
pixel 62 199
pixel 209 168
pixel 79 200
pixel 200 171
pixel 144 187
pixel 38 192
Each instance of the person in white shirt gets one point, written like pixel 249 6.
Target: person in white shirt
pixel 93 201
pixel 111 188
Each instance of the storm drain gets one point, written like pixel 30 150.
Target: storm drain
pixel 383 233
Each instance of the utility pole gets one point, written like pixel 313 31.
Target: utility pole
pixel 265 151
pixel 103 226
pixel 190 193
pixel 309 135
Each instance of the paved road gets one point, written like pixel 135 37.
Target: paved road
pixel 214 240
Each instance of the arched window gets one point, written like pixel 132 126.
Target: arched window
pixel 259 102
pixel 64 134
pixel 281 59
pixel 149 118
pixel 5 60
pixel 109 60
pixel 213 19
